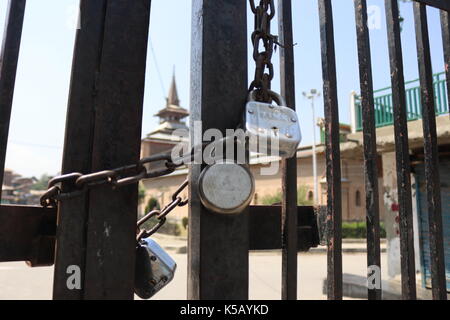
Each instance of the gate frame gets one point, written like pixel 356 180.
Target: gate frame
pixel 103 83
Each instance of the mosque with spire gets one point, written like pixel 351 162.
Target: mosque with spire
pixel 172 117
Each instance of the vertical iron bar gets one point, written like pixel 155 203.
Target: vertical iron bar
pixel 218 245
pixel 445 24
pixel 9 57
pixel 289 166
pixel 111 234
pixel 431 154
pixel 401 152
pixel 333 157
pixel 73 213
pixel 370 144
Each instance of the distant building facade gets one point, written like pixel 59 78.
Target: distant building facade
pixel 18 190
pixel 171 117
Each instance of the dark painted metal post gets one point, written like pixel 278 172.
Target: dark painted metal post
pixel 445 24
pixel 111 234
pixel 438 4
pixel 401 152
pixel 289 166
pixel 73 213
pixel 431 154
pixel 370 143
pixel 9 57
pixel 333 158
pixel 218 245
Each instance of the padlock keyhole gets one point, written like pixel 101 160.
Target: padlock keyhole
pixel 275 130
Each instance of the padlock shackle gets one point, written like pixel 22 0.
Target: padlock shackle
pixel 278 98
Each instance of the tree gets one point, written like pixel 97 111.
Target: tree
pixel 152 204
pixel 185 222
pixel 141 195
pixel 302 198
pixel 41 183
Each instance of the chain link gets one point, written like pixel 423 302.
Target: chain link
pixel 264 13
pixel 177 201
pixel 78 183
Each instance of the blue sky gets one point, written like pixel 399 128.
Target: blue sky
pixel 40 100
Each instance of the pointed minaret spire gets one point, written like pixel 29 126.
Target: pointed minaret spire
pixel 173 114
pixel 172 98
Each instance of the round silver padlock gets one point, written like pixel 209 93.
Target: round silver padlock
pixel 226 187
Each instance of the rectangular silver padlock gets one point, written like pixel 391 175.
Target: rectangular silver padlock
pixel 154 268
pixel 272 130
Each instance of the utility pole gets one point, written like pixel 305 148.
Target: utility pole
pixel 313 94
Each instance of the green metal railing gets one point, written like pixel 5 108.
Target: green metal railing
pixel 383 102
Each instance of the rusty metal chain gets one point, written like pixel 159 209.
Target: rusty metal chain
pixel 81 183
pixel 264 13
pixel 177 201
pixel 78 184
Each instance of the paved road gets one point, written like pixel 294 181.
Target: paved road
pixel 17 281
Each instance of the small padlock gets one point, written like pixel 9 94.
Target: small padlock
pixel 154 268
pixel 226 187
pixel 272 130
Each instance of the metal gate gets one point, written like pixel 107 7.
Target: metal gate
pixel 97 229
pixel 419 172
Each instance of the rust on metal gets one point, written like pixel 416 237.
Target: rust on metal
pixel 432 179
pixel 408 268
pixel 289 230
pixel 333 159
pixel 370 142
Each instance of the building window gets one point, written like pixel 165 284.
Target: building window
pixel 358 198
pixel 310 196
